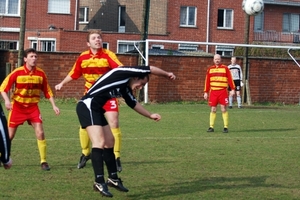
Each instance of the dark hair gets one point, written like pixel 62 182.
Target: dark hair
pixel 142 76
pixel 27 51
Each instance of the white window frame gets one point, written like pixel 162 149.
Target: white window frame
pixel 128 44
pixel 121 19
pixel 5 9
pixel 289 24
pixel 259 22
pixel 4 43
pixel 59 6
pixel 39 43
pixel 157 46
pixel 85 14
pixel 188 47
pixel 105 45
pixel 187 18
pixel 227 22
pixel 225 50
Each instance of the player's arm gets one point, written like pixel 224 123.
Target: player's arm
pixel 135 105
pixel 67 79
pixel 55 108
pixel 6 99
pixel 142 111
pixel 159 72
pixel 206 85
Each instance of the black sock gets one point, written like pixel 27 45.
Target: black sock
pixel 110 161
pixel 97 162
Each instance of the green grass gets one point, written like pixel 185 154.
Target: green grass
pixel 172 159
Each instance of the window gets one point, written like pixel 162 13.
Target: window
pixel 188 16
pixel 225 50
pixel 105 45
pixel 9 7
pixel 84 15
pixel 125 47
pixel 188 47
pixel 225 18
pixel 59 6
pixel 47 45
pixel 259 22
pixel 122 20
pixel 157 46
pixel 43 44
pixel 9 45
pixel 291 22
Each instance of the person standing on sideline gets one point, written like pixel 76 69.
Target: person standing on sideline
pixel 4 142
pixel 237 76
pixel 217 79
pixel 28 80
pixel 92 64
pixel 119 82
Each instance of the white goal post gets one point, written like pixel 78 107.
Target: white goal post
pixel 148 41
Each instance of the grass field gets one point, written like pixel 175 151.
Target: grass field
pixel 172 159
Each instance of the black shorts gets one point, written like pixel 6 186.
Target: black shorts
pixel 88 117
pixel 237 84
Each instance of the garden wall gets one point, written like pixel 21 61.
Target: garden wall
pixel 271 80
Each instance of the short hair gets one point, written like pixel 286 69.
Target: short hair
pixel 93 32
pixel 27 51
pixel 142 76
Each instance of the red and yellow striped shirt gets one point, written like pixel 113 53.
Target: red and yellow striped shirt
pixel 218 78
pixel 91 66
pixel 27 85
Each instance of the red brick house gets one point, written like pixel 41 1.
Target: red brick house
pixel 61 25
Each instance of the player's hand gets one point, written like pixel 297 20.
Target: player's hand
pixel 155 117
pixel 56 110
pixel 205 95
pixel 8 105
pixel 58 86
pixel 171 76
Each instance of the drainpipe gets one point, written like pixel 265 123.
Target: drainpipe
pixel 76 13
pixel 207 24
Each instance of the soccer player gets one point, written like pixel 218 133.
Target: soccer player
pixel 217 79
pixel 4 142
pixel 119 82
pixel 28 81
pixel 237 76
pixel 92 64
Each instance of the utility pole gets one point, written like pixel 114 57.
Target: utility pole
pixel 145 26
pixel 22 32
pixel 144 36
pixel 246 89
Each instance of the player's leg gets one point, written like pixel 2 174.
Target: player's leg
pixel 4 142
pixel 85 148
pixel 112 116
pixel 109 159
pixel 239 99
pixel 41 143
pixel 213 115
pixel 96 134
pixel 223 100
pixel 230 98
pixel 238 93
pixel 35 120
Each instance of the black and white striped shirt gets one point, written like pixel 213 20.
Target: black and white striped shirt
pixel 114 84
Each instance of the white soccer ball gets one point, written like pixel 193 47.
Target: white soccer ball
pixel 253 7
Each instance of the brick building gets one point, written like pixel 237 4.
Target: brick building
pixel 61 25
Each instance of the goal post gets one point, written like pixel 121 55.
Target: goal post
pixel 196 48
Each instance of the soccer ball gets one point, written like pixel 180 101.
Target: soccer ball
pixel 253 7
